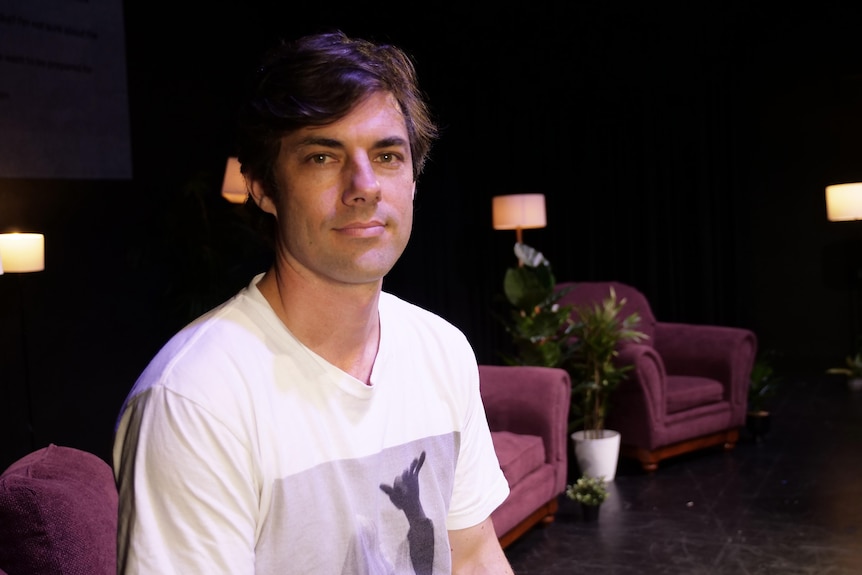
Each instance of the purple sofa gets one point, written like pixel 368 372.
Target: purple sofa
pixel 58 514
pixel 527 409
pixel 689 386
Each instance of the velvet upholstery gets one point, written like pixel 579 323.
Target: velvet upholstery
pixel 58 514
pixel 527 409
pixel 689 385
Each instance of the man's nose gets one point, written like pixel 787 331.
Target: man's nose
pixel 363 184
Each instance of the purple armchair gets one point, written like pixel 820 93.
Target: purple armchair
pixel 58 514
pixel 689 385
pixel 527 409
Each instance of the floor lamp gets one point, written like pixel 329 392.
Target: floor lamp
pixel 23 253
pixel 518 212
pixel 844 203
pixel 234 188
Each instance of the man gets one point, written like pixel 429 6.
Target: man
pixel 314 423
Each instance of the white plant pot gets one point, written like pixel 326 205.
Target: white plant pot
pixel 599 456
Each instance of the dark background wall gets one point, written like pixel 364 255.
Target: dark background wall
pixel 683 150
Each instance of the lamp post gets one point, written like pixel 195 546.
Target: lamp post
pixel 23 253
pixel 844 203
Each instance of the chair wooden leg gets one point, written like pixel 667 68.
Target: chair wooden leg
pixel 649 459
pixel 732 438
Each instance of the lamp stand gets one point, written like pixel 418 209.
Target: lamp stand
pixel 519 238
pixel 856 311
pixel 25 360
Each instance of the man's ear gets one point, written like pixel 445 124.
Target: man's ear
pixel 261 198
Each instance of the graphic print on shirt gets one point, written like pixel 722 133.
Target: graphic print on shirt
pixel 404 494
pixel 377 515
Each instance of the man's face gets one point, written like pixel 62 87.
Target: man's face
pixel 345 210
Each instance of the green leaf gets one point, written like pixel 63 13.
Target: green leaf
pixel 526 287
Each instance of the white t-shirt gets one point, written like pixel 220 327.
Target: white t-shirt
pixel 239 450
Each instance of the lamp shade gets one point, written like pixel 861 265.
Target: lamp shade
pixel 518 211
pixel 844 202
pixel 22 253
pixel 233 187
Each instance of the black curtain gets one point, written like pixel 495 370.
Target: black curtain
pixel 642 147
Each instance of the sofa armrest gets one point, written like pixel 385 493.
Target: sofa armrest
pixel 529 400
pixel 723 353
pixel 58 513
pixel 643 389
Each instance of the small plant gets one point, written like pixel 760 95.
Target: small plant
pixel 588 490
pixel 764 383
pixel 852 367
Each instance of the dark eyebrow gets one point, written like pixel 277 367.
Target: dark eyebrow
pixel 318 141
pixel 391 142
pixel 333 143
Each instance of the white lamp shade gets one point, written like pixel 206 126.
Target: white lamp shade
pixel 518 211
pixel 22 253
pixel 233 187
pixel 844 202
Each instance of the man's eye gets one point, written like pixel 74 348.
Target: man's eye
pixel 388 158
pixel 319 158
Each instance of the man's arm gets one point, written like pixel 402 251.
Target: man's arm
pixel 476 550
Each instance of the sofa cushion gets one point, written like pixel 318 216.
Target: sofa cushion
pixel 686 392
pixel 58 514
pixel 519 455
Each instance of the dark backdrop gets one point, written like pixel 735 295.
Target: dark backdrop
pixel 682 150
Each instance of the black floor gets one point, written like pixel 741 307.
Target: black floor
pixel 789 504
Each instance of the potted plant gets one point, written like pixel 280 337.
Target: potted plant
pixel 590 492
pixel 763 385
pixel 852 368
pixel 538 325
pixel 598 331
pixel 584 341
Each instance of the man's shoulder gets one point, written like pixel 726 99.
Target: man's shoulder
pixel 398 314
pixel 225 333
pixel 398 307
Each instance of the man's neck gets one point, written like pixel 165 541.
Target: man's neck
pixel 339 322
